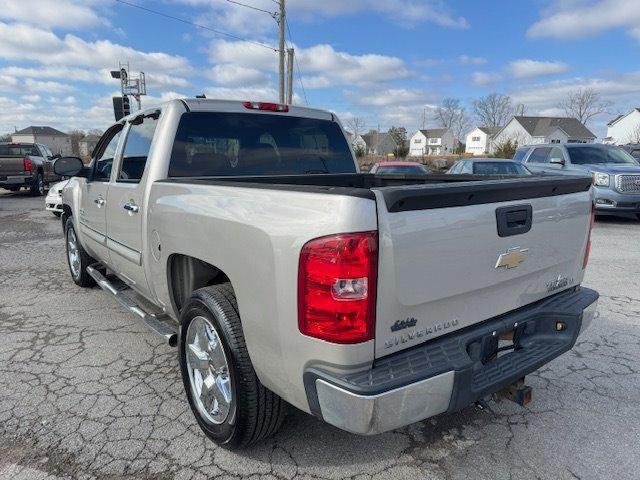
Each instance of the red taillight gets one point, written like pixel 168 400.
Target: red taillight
pixel 337 287
pixel 588 249
pixel 272 107
pixel 27 165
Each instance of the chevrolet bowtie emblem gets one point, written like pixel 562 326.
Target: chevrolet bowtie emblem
pixel 513 258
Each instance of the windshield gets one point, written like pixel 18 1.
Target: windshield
pixel 600 155
pixel 18 150
pixel 500 168
pixel 402 169
pixel 238 144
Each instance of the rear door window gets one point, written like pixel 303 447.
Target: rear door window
pixel 540 155
pixel 520 154
pixel 243 144
pixel 136 148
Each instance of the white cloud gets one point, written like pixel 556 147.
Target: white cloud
pixel 322 65
pixel 46 86
pixel 526 68
pixel 388 97
pixel 408 13
pixel 571 20
pixel 469 60
pixel 24 42
pixel 68 14
pixel 31 98
pixel 264 94
pixel 229 74
pixel 485 79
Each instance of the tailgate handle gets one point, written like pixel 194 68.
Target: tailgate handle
pixel 514 220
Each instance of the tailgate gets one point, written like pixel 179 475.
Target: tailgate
pixel 443 265
pixel 11 166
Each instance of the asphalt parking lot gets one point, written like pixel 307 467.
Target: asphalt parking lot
pixel 87 392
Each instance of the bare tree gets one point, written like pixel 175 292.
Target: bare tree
pixel 451 114
pixel 584 104
pixel 493 110
pixel 356 125
pixel 520 110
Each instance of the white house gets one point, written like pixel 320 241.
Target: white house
pixel 624 129
pixel 437 141
pixel 57 141
pixel 534 130
pixel 480 140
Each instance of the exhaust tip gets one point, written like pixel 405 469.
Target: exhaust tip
pixel 172 340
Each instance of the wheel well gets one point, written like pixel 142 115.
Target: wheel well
pixel 187 274
pixel 66 213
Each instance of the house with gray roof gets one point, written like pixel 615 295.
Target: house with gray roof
pixel 57 141
pixel 480 140
pixel 434 141
pixel 624 129
pixel 375 143
pixel 533 130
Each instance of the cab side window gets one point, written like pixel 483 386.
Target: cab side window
pixel 136 148
pixel 556 154
pixel 106 152
pixel 467 168
pixel 539 155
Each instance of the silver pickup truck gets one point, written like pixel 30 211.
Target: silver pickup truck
pixel 245 235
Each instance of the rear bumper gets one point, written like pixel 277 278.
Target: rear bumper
pixel 14 180
pixel 451 372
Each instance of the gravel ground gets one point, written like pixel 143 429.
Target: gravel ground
pixel 87 392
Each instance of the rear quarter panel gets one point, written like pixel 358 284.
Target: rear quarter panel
pixel 255 236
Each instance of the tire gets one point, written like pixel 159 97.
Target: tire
pixel 13 189
pixel 57 214
pixel 79 262
pixel 254 412
pixel 37 188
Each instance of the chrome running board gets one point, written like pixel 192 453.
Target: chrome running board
pixel 152 320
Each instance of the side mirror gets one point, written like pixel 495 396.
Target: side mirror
pixel 68 167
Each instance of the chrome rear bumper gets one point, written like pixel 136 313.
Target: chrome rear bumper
pixel 448 373
pixel 372 414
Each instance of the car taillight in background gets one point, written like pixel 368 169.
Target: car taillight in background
pixel 588 249
pixel 271 107
pixel 337 287
pixel 27 165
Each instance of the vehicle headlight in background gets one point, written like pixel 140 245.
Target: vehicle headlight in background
pixel 601 179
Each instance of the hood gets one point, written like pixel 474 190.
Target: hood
pixel 57 187
pixel 611 168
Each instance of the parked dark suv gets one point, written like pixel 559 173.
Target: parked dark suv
pixel 616 174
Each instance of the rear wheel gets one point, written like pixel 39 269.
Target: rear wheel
pixel 77 258
pixel 57 214
pixel 230 404
pixel 37 187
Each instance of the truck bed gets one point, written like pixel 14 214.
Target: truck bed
pixel 408 192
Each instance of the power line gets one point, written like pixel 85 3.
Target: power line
pixel 295 61
pixel 273 14
pixel 204 27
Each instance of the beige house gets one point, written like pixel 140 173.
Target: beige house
pixel 57 141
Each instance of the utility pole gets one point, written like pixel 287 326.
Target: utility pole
pixel 290 54
pixel 281 21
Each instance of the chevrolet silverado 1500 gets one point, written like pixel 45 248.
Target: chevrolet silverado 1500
pixel 245 235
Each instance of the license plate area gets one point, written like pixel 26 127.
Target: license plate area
pixel 498 344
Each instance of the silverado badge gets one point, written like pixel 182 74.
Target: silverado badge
pixel 513 258
pixel 402 324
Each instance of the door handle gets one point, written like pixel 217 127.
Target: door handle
pixel 99 201
pixel 131 207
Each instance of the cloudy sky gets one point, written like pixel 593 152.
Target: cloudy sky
pixel 384 60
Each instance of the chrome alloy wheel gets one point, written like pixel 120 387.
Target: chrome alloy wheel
pixel 73 253
pixel 208 369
